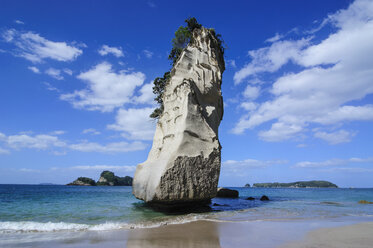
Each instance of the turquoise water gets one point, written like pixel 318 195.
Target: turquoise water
pixel 34 208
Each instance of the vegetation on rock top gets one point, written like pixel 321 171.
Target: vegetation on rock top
pixel 300 184
pixel 183 36
pixel 108 178
pixel 84 181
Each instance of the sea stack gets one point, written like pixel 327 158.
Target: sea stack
pixel 183 165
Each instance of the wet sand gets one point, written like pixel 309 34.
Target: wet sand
pixel 258 234
pixel 352 236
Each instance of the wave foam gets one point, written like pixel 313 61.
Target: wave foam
pixel 31 226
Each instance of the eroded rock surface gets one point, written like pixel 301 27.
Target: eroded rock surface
pixel 184 162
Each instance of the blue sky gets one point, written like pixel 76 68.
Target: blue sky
pixel 76 78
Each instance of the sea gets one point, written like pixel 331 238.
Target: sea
pixel 40 209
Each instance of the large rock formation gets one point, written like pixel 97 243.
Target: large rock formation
pixel 184 162
pixel 108 178
pixel 83 181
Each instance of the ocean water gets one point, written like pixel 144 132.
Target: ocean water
pixel 43 208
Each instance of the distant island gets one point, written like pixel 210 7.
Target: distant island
pixel 300 184
pixel 107 178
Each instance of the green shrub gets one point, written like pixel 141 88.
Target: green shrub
pixel 183 36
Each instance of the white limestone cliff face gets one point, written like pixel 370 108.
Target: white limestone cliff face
pixel 184 162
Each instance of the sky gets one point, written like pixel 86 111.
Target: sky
pixel 76 87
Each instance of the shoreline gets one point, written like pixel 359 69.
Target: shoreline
pixel 204 233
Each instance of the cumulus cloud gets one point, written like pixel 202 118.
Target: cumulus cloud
pixel 272 58
pixel 34 69
pixel 41 141
pixel 50 87
pixel 242 166
pixel 68 71
pixel 19 22
pixel 116 51
pixel 58 132
pixel 333 73
pixel 55 73
pixel 332 162
pixel 253 163
pixel 91 131
pixel 35 48
pixel 106 89
pixel 274 38
pixel 53 142
pixel 4 151
pixel 115 147
pixel 251 92
pixel 134 123
pixel 125 168
pixel 146 94
pixel 341 136
pixel 148 53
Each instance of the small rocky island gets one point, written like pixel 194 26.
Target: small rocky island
pixel 183 165
pixel 107 178
pixel 299 184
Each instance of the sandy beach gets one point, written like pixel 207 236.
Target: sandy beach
pixel 351 236
pixel 263 234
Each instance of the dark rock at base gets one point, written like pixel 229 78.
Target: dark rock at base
pixel 220 205
pixel 247 185
pixel 176 208
pixel 250 198
pixel 264 198
pixel 227 193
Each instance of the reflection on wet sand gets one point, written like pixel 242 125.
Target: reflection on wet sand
pixel 196 234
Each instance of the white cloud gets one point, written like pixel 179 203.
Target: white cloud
pixel 280 131
pixel 334 72
pixel 68 71
pixel 270 59
pixel 146 94
pixel 41 141
pixel 34 69
pixel 58 132
pixel 106 89
pixel 249 106
pixel 231 63
pixel 125 168
pixel 251 92
pixel 115 147
pixel 55 73
pixel 116 51
pixel 91 131
pixel 52 142
pixel 36 48
pixel 148 53
pixel 341 136
pixel 241 167
pixel 275 38
pixel 332 162
pixel 134 123
pixel 4 151
pixel 19 22
pixel 253 163
pixel 51 87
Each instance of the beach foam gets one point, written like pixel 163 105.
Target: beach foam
pixel 32 226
